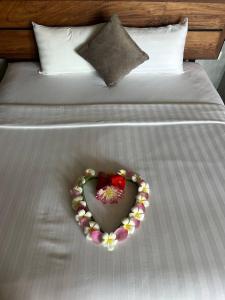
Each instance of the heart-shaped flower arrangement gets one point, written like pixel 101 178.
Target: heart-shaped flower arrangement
pixel 85 219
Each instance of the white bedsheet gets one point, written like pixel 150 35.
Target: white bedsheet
pixel 23 84
pixel 179 251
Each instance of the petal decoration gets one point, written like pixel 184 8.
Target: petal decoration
pixel 110 191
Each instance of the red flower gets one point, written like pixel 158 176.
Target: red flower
pixel 115 180
pixel 103 180
pixel 118 181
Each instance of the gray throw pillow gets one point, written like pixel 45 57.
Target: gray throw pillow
pixel 112 52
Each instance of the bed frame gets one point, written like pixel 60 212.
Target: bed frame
pixel 206 21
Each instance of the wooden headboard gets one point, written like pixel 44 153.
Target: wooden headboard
pixel 206 21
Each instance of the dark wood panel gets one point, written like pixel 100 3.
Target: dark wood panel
pixel 19 44
pixel 206 21
pixel 19 14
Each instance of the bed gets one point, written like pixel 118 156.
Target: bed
pixel 52 129
pixel 88 88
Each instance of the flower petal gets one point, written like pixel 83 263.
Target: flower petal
pixel 90 172
pixel 83 222
pixel 122 172
pixel 125 221
pixel 136 222
pixel 141 206
pixel 96 236
pixel 121 233
pixel 105 236
pixel 112 235
pixel 81 212
pixel 88 214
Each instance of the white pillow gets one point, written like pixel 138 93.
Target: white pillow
pixel 164 45
pixel 57 48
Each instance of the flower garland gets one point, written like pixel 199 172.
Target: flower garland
pixel 128 225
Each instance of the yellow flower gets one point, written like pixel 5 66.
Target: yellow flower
pixel 144 187
pixel 129 225
pixel 109 240
pixel 142 200
pixel 137 213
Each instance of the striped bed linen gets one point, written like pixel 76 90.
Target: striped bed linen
pixel 178 253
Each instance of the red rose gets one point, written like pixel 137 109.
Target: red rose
pixel 103 180
pixel 118 181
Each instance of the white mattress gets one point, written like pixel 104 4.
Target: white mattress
pixel 179 251
pixel 23 84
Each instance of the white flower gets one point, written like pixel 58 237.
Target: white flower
pixel 109 240
pixel 81 180
pixel 78 198
pixel 82 213
pixel 144 187
pixel 78 189
pixel 75 205
pixel 129 225
pixel 76 201
pixel 90 172
pixel 92 226
pixel 137 213
pixel 140 199
pixel 136 178
pixel 122 172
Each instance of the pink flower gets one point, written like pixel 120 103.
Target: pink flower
pixel 136 222
pixel 130 174
pixel 109 194
pixel 82 215
pixel 96 236
pixel 83 222
pixel 76 191
pixel 121 233
pixel 92 226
